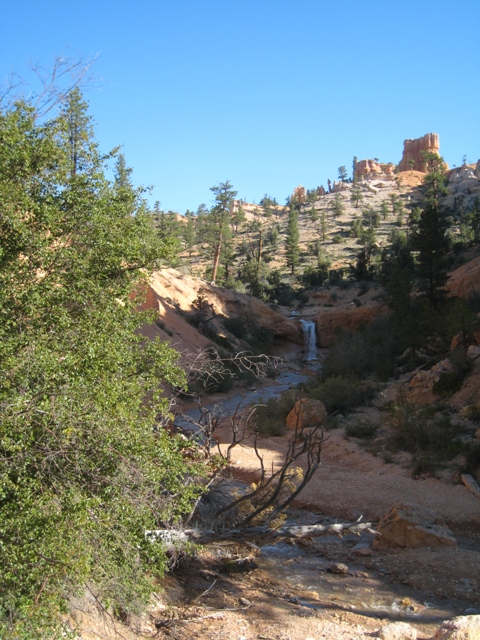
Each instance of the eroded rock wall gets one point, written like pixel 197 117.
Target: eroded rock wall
pixel 412 151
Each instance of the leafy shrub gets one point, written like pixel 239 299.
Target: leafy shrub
pixel 236 325
pixel 342 393
pixel 270 418
pixel 366 351
pixel 449 383
pixel 432 439
pixel 363 428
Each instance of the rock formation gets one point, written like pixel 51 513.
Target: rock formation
pixel 373 169
pixel 410 526
pixel 306 413
pixel 465 280
pixel 171 288
pixel 412 151
pixel 299 194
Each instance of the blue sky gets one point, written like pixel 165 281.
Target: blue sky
pixel 268 94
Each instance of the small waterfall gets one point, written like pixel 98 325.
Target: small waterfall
pixel 310 339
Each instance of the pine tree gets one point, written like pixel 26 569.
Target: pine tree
pixel 432 244
pixel 292 243
pixel 217 223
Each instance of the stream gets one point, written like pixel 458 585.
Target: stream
pixel 366 591
pixel 365 587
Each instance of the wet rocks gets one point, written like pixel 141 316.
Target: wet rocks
pixel 410 526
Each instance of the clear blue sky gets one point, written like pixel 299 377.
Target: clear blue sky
pixel 269 94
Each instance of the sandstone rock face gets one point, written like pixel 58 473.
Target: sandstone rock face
pixel 299 194
pixel 373 169
pixel 180 291
pixel 306 413
pixel 409 526
pixel 461 628
pixel 328 321
pixel 419 390
pixel 466 279
pixel 412 151
pixel 340 186
pixel 397 631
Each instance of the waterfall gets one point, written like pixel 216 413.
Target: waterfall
pixel 310 339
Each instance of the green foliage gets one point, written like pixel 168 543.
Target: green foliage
pixel 431 243
pixel 216 229
pixel 433 439
pixel 449 383
pixel 338 207
pixel 369 350
pixel 83 473
pixel 341 392
pixel 236 325
pixel 271 416
pixel 292 247
pixel 361 428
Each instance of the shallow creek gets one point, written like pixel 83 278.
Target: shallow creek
pixel 362 590
pixel 308 569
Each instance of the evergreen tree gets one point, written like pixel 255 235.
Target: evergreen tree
pixel 189 232
pixel 217 223
pixel 76 129
pixel 292 243
pixel 338 208
pixel 356 195
pixel 431 242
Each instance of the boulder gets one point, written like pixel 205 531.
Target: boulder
pixel 412 150
pixel 397 631
pixel 410 526
pixel 419 390
pixel 460 628
pixel 306 413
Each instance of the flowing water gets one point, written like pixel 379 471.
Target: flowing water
pixel 310 339
pixel 364 591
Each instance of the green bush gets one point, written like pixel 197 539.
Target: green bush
pixel 271 417
pixel 342 393
pixel 236 325
pixel 369 350
pixel 449 383
pixel 431 438
pixel 363 428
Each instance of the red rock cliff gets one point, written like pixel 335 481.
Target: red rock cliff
pixel 412 150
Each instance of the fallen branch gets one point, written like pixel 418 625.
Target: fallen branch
pixel 286 531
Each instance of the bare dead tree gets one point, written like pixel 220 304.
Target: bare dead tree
pixel 208 368
pixel 276 488
pixel 55 83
